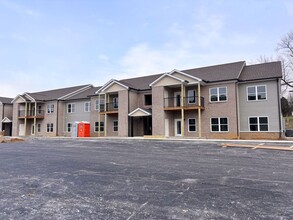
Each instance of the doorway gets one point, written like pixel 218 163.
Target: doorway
pixel 178 131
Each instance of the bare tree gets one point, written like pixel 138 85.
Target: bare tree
pixel 285 49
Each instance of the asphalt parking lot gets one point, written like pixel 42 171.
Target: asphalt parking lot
pixel 143 179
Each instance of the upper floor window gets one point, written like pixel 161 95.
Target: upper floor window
pixel 148 99
pixel 191 96
pixel 50 108
pixel 258 124
pixel 97 104
pixel 256 93
pixel 218 94
pixel 70 107
pixel 87 107
pixel 219 124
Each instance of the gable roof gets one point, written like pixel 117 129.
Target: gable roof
pixel 57 93
pixel 109 84
pixel 261 71
pixel 85 94
pixel 6 100
pixel 216 73
pixel 167 75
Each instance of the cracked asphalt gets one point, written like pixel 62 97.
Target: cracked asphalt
pixel 143 179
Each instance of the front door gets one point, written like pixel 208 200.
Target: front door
pixel 178 131
pixel 33 129
pixel 21 130
pixel 177 99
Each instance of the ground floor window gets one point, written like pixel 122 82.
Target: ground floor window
pixel 219 124
pixel 191 125
pixel 50 127
pixel 38 127
pixel 69 127
pixel 97 126
pixel 258 124
pixel 115 125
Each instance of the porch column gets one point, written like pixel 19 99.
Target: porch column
pixel 199 110
pixel 99 115
pixel 182 109
pixel 25 119
pixel 35 118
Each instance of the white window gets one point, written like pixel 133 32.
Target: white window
pixel 191 96
pixel 115 125
pixel 50 108
pixel 38 128
pixel 255 93
pixel 258 123
pixel 50 127
pixel 69 127
pixel 87 107
pixel 97 104
pixel 191 125
pixel 218 94
pixel 219 125
pixel 70 107
pixel 97 126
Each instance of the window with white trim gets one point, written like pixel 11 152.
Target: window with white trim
pixel 70 107
pixel 97 126
pixel 258 123
pixel 50 108
pixel 148 99
pixel 219 125
pixel 87 107
pixel 97 104
pixel 218 94
pixel 69 127
pixel 191 96
pixel 115 102
pixel 39 128
pixel 115 125
pixel 255 93
pixel 50 127
pixel 191 125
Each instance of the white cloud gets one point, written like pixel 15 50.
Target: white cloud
pixel 19 8
pixel 103 58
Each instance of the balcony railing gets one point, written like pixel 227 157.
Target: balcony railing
pixel 31 113
pixel 110 107
pixel 175 102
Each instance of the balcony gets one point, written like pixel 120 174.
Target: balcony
pixel 189 103
pixel 31 114
pixel 111 108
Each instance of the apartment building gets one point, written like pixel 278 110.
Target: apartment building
pixel 231 100
pixel 6 115
pixel 45 113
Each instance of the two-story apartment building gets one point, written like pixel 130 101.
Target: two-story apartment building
pixel 223 101
pixel 45 113
pixel 6 115
pixel 232 100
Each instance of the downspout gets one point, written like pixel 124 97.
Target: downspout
pixel 279 110
pixel 182 109
pixel 199 110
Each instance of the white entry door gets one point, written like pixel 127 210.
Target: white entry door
pixel 21 130
pixel 177 126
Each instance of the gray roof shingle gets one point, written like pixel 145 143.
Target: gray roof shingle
pixel 261 71
pixel 6 100
pixel 54 94
pixel 85 94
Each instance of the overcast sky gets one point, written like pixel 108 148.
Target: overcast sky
pixel 47 44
